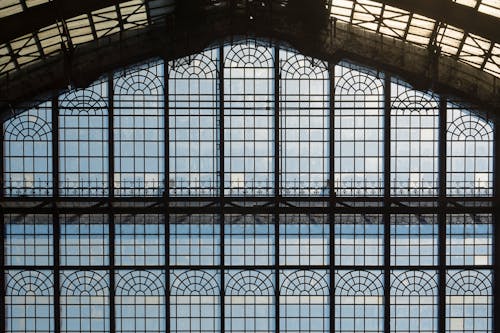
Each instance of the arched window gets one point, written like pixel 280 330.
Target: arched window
pixel 83 141
pixel 139 138
pixel 468 297
pixel 85 301
pixel 28 153
pixel 359 300
pixel 195 302
pixel 414 145
pixel 413 301
pixel 194 135
pixel 358 131
pixel 308 291
pixel 304 121
pixel 140 304
pixel 470 153
pixel 248 119
pixel 29 294
pixel 249 301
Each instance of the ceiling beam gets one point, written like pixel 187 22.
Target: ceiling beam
pixel 35 18
pixel 449 12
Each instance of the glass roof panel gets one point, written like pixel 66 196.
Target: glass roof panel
pixel 33 3
pixel 50 39
pixel 490 7
pixel 342 9
pixel 106 21
pixel 474 50
pixel 133 14
pixel 468 3
pixel 420 30
pixel 20 42
pixel 25 49
pixel 493 64
pixel 395 22
pixel 79 29
pixel 10 7
pixel 449 39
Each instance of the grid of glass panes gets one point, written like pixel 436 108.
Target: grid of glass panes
pixel 83 141
pixel 304 121
pixel 193 125
pixel 359 301
pixel 469 300
pixel 469 153
pixel 139 136
pixel 304 239
pixel 358 239
pixel 248 119
pixel 414 142
pixel 414 300
pixel 469 239
pixel 358 126
pixel 414 240
pixel 28 152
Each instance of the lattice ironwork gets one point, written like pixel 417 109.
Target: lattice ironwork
pixel 249 188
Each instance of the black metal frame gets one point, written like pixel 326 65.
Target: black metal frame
pixel 275 205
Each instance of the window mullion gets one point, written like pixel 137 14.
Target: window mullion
pixel 387 203
pixel 442 216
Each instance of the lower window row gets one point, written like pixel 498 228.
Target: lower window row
pixel 245 300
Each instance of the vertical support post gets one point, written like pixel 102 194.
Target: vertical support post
pixel 111 139
pixel 496 227
pixel 331 184
pixel 55 147
pixel 111 194
pixel 166 195
pixel 442 216
pixel 277 186
pixel 221 185
pixel 3 320
pixel 55 213
pixel 387 203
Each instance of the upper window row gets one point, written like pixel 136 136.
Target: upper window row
pixel 210 122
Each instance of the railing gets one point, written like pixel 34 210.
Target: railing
pixel 137 188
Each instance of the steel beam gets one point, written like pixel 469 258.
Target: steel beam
pixel 254 210
pixel 496 229
pixel 221 209
pixel 166 194
pixel 243 267
pixel 386 215
pixel 442 215
pixel 55 214
pixel 331 186
pixel 277 187
pixel 109 210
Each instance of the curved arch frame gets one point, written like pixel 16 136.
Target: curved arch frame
pixel 334 42
pixel 199 283
pixel 304 282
